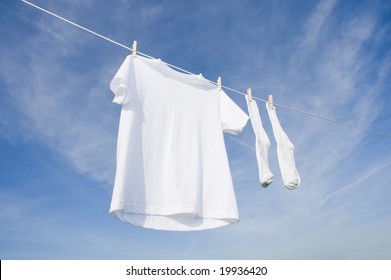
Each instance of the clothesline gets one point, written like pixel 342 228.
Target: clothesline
pixel 188 72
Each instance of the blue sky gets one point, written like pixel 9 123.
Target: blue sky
pixel 58 126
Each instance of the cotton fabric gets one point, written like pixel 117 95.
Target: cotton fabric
pixel 172 166
pixel 262 144
pixel 285 152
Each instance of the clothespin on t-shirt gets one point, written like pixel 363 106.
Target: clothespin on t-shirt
pixel 249 94
pixel 219 83
pixel 270 101
pixel 134 49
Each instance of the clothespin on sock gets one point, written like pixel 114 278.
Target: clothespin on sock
pixel 219 83
pixel 249 94
pixel 134 49
pixel 270 101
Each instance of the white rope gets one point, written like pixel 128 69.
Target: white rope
pixel 185 71
pixel 334 121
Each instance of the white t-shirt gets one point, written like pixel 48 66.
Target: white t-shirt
pixel 172 166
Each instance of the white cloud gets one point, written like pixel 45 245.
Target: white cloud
pixel 59 104
pixel 316 21
pixel 12 210
pixel 337 87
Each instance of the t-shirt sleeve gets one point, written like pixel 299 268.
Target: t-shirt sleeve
pixel 233 119
pixel 123 79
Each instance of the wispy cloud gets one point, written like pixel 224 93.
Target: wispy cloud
pixel 68 112
pixel 316 21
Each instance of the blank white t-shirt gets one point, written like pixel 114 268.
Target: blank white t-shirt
pixel 172 166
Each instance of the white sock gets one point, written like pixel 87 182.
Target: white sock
pixel 285 151
pixel 262 144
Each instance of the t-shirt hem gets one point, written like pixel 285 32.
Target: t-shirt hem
pixel 173 218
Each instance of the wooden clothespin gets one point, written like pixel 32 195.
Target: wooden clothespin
pixel 249 94
pixel 270 101
pixel 219 83
pixel 134 49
